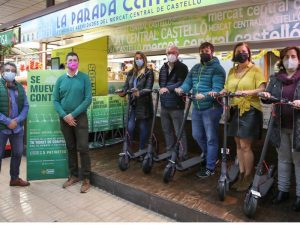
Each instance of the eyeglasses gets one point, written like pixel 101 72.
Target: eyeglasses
pixel 9 70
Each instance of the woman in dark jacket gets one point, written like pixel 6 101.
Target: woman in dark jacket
pixel 139 79
pixel 286 129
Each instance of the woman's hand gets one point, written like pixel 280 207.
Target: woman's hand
pixel 265 95
pixel 136 93
pixel 296 104
pixel 244 93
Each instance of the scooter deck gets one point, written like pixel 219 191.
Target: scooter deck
pixel 263 183
pixel 189 163
pixel 162 156
pixel 139 153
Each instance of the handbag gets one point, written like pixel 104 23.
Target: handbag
pixel 231 110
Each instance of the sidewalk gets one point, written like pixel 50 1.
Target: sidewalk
pixel 47 201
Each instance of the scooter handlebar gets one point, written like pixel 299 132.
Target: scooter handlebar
pixel 228 94
pixel 132 90
pixel 275 100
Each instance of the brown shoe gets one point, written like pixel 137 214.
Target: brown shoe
pixel 19 182
pixel 85 186
pixel 71 180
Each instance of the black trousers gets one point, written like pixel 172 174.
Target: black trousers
pixel 77 140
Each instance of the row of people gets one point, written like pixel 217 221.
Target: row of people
pixel 204 80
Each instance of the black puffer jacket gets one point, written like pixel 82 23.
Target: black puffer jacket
pixel 171 81
pixel 275 89
pixel 142 105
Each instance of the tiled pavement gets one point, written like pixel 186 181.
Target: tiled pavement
pixel 47 201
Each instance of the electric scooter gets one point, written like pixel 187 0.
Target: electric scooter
pixel 175 162
pixel 152 147
pixel 264 175
pixel 228 175
pixel 127 154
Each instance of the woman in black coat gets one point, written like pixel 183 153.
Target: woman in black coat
pixel 138 79
pixel 286 128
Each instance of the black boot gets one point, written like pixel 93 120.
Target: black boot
pixel 296 205
pixel 280 197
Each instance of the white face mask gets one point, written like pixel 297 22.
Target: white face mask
pixel 172 58
pixel 291 64
pixel 9 76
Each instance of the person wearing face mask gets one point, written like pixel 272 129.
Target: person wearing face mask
pixel 72 95
pixel 245 79
pixel 286 128
pixel 138 78
pixel 205 77
pixel 13 111
pixel 171 76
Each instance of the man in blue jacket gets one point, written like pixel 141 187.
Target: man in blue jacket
pixel 205 77
pixel 171 76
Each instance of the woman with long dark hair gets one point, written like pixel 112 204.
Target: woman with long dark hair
pixel 245 79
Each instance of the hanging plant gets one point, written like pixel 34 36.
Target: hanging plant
pixel 5 50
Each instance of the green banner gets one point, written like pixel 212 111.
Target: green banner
pixel 116 112
pixel 46 150
pixel 97 13
pixel 272 20
pixel 11 37
pixel 100 113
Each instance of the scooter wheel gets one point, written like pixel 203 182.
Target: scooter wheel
pixel 222 190
pixel 123 163
pixel 250 205
pixel 169 172
pixel 147 164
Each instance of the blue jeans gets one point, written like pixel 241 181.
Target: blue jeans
pixel 205 126
pixel 143 126
pixel 17 147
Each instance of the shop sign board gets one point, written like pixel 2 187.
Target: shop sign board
pixel 11 37
pixel 46 149
pixel 97 13
pixel 272 20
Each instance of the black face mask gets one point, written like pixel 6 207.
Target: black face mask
pixel 241 57
pixel 205 57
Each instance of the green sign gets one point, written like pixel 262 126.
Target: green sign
pixel 116 111
pixel 98 13
pixel 272 20
pixel 100 113
pixel 9 38
pixel 46 150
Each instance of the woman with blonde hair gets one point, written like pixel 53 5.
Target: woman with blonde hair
pixel 139 78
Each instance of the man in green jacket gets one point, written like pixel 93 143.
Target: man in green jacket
pixel 72 96
pixel 13 112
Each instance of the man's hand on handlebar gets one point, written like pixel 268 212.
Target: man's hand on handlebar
pixel 199 96
pixel 179 91
pixel 163 90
